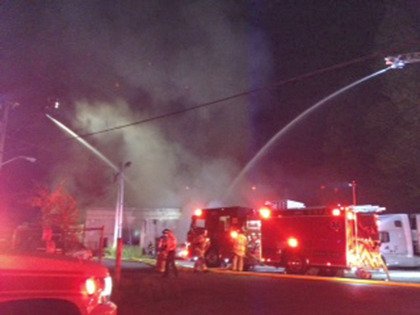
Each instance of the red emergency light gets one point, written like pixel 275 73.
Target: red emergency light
pixel 265 213
pixel 198 212
pixel 350 216
pixel 292 242
pixel 234 234
pixel 336 212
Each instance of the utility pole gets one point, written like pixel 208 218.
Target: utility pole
pixel 354 192
pixel 119 209
pixel 4 112
pixel 119 215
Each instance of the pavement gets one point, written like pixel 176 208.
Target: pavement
pixel 395 276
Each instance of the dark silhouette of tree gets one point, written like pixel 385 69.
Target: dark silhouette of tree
pixel 375 137
pixel 394 120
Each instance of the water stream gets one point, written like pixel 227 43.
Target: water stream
pixel 85 143
pixel 289 126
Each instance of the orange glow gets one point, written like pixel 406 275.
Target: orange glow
pixel 350 216
pixel 292 242
pixel 265 213
pixel 198 212
pixel 234 234
pixel 336 212
pixel 90 286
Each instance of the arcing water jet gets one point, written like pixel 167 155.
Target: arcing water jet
pixel 290 125
pixel 85 143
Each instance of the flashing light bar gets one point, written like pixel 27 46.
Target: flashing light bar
pixel 367 208
pixel 198 212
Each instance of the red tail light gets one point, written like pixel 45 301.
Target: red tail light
pixel 265 213
pixel 292 242
pixel 198 212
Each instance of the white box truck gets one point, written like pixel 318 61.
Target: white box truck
pixel 400 239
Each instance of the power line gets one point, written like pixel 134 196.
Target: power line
pixel 234 96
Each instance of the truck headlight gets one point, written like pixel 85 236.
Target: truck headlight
pixel 101 287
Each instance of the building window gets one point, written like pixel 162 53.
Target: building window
pixel 397 223
pixel 384 237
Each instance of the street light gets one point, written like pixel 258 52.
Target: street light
pixel 353 192
pixel 118 241
pixel 120 203
pixel 23 157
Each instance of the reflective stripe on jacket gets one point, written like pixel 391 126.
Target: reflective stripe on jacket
pixel 239 245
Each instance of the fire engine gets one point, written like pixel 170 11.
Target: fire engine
pixel 221 225
pixel 330 239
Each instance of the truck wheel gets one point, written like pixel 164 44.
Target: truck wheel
pixel 249 263
pixel 331 272
pixel 212 258
pixel 363 274
pixel 295 265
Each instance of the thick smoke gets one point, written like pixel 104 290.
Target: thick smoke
pixel 166 59
pixel 163 173
pixel 119 62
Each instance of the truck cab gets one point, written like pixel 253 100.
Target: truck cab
pixel 220 223
pixel 40 283
pixel 399 239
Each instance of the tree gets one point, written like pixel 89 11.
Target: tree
pixel 59 211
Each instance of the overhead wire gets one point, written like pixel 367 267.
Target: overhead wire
pixel 234 96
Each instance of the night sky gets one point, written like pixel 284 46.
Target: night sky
pixel 112 63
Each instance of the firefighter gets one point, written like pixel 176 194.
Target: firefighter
pixel 150 249
pixel 171 244
pixel 162 252
pixel 200 245
pixel 239 251
pixel 253 249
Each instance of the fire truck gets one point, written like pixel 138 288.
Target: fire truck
pixel 221 225
pixel 327 239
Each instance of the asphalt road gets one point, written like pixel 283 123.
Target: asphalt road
pixel 142 291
